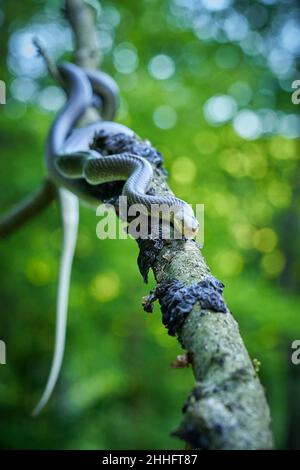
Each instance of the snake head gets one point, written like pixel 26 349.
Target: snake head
pixel 185 221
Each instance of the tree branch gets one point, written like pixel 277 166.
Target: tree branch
pixel 87 50
pixel 227 408
pixel 82 21
pixel 27 209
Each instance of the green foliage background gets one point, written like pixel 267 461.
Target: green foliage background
pixel 117 389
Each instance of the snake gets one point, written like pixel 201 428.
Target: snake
pixel 77 171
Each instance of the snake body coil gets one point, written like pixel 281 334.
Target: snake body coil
pixel 72 165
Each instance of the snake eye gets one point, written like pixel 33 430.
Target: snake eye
pixel 195 228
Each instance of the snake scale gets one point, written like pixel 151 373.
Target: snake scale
pixel 76 170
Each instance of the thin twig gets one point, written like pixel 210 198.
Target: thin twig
pixel 51 66
pixel 36 202
pixel 27 209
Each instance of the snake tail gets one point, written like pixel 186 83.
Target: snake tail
pixel 70 212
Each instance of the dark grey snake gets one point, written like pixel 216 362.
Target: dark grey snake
pixel 73 165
